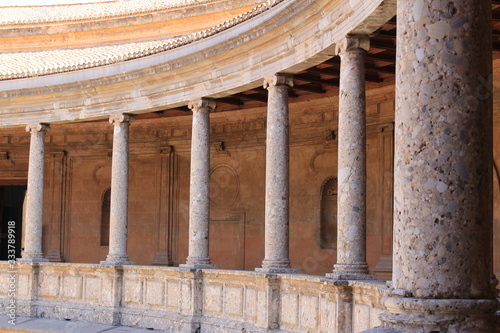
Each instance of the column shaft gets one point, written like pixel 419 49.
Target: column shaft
pixel 277 176
pixel 351 202
pixel 199 188
pixel 443 169
pixel 34 203
pixel 118 217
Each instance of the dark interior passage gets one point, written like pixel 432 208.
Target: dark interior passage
pixel 11 209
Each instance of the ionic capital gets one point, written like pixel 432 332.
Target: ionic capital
pixel 37 128
pixel 201 104
pixel 355 43
pixel 278 80
pixel 121 118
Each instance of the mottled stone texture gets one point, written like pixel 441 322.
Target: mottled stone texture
pixel 199 188
pixel 443 169
pixel 34 202
pixel 119 191
pixel 351 203
pixel 277 176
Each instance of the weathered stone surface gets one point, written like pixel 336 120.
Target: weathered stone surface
pixel 277 176
pixel 119 191
pixel 351 234
pixel 443 160
pixel 199 188
pixel 34 201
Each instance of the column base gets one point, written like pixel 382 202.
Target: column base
pixel 350 272
pixel 27 258
pixel 198 266
pixel 274 266
pixel 409 314
pixel 198 263
pixel 115 261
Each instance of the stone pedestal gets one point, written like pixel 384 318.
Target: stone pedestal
pixel 34 201
pixel 277 177
pixel 351 203
pixel 443 170
pixel 199 188
pixel 118 219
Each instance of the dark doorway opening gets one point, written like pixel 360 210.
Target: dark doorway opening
pixel 11 211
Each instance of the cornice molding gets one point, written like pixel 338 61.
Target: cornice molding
pixel 17 65
pixel 231 61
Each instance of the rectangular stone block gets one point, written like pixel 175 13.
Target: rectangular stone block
pixel 326 315
pixel 72 287
pixel 212 298
pixel 23 285
pixel 290 308
pixel 155 293
pixel 361 317
pixel 107 289
pixel 173 294
pixel 4 284
pixel 233 301
pixel 374 317
pixel 332 316
pixel 262 306
pixel 250 303
pixel 49 285
pixel 133 291
pixel 186 294
pixel 92 288
pixel 309 311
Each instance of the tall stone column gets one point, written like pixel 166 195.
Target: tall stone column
pixel 351 202
pixel 276 250
pixel 118 217
pixel 199 190
pixel 34 202
pixel 443 170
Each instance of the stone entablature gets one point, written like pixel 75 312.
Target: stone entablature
pixel 170 79
pixel 183 300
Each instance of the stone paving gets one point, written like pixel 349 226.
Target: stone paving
pixel 42 325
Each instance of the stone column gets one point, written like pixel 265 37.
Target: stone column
pixel 351 202
pixel 34 202
pixel 199 190
pixel 443 170
pixel 118 217
pixel 276 258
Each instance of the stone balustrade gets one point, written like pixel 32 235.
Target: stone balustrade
pixel 182 299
